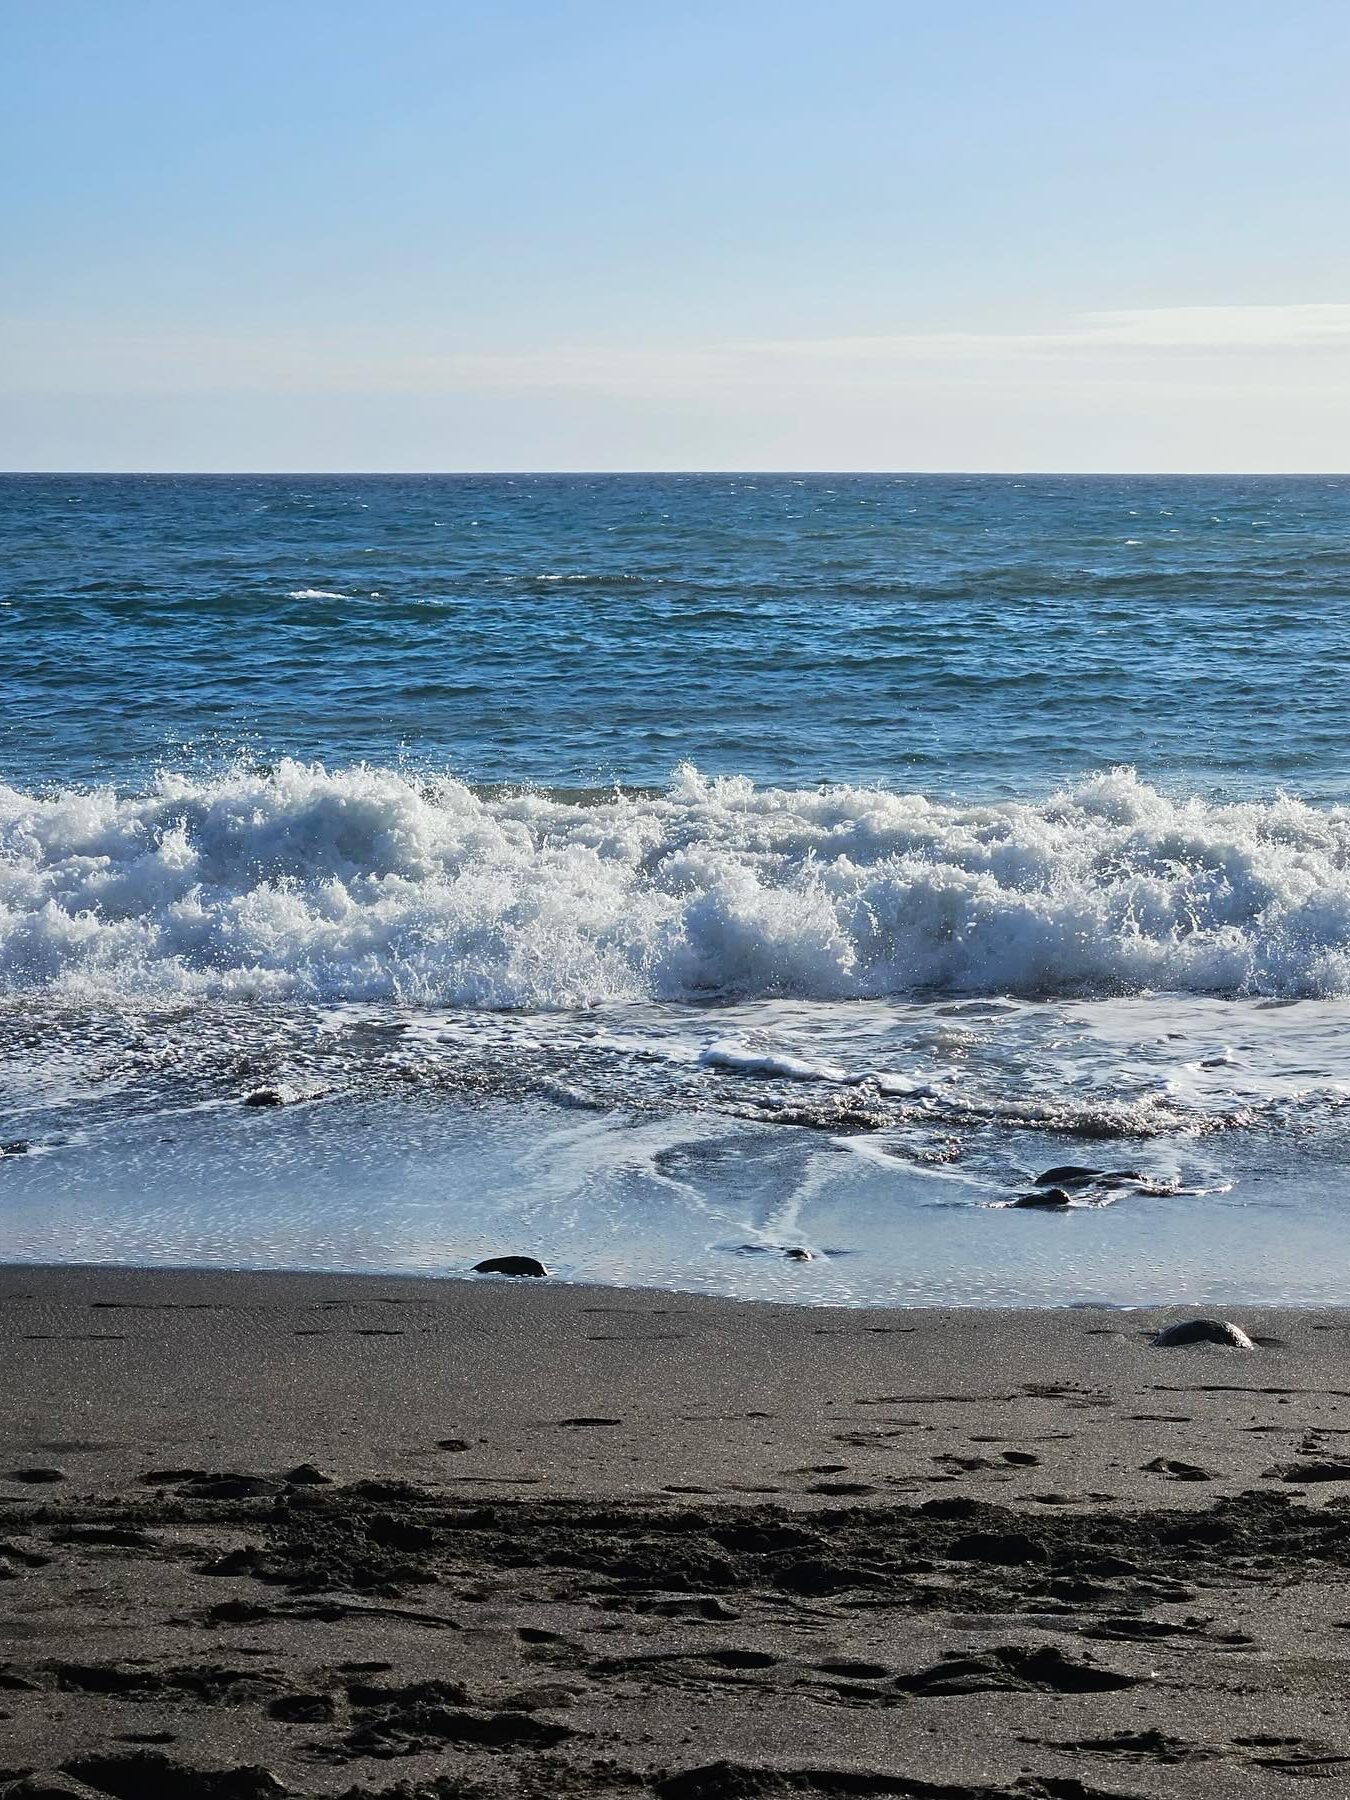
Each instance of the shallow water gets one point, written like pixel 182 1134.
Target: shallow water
pixel 309 786
pixel 693 1146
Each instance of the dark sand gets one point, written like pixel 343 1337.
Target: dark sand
pixel 568 1541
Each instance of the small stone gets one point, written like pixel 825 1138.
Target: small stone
pixel 510 1265
pixel 1045 1197
pixel 264 1097
pixel 1175 1470
pixel 306 1475
pixel 1204 1331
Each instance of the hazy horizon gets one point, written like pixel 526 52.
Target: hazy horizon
pixel 636 474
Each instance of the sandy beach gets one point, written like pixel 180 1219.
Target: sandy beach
pixel 331 1535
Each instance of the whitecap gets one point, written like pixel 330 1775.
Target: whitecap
pixel 366 883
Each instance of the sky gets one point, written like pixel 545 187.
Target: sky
pixel 755 234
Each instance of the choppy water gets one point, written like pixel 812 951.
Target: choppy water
pixel 658 873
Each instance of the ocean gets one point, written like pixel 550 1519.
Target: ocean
pixel 658 875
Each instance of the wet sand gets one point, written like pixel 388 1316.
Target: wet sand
pixel 329 1535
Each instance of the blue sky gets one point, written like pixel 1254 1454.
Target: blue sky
pixel 317 234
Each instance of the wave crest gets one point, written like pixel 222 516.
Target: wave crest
pixel 366 883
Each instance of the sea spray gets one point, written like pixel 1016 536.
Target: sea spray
pixel 364 883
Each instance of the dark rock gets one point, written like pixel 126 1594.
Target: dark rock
pixel 796 1254
pixel 1204 1331
pixel 15 1147
pixel 510 1265
pixel 306 1475
pixel 1044 1197
pixel 36 1477
pixel 1176 1471
pixel 1072 1173
pixel 264 1097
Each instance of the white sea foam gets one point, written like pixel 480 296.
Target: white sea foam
pixel 316 594
pixel 366 883
pixel 741 1059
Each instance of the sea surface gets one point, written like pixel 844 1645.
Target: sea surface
pixel 661 874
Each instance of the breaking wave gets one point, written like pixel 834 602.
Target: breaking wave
pixel 367 883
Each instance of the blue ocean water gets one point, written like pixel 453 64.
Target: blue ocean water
pixel 981 636
pixel 660 873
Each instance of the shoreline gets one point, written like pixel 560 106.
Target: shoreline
pixel 409 1538
pixel 428 1286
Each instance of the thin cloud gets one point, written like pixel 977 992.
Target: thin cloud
pixel 40 356
pixel 1222 328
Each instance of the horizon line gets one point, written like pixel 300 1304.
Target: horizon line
pixel 652 474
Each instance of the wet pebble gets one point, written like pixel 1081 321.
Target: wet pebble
pixel 510 1265
pixel 1204 1331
